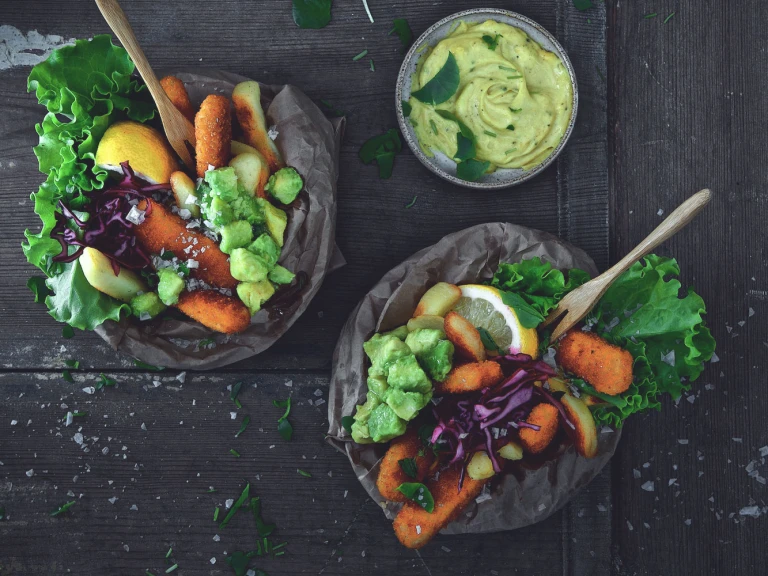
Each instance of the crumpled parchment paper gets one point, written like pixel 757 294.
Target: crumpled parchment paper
pixel 310 143
pixel 469 256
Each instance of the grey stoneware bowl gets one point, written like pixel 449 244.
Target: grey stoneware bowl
pixel 440 164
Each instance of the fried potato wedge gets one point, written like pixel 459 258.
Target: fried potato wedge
pixel 470 377
pixel 480 466
pixel 252 172
pixel 585 435
pixel 99 273
pixel 213 133
pixel 547 417
pixel 241 148
pixel 391 474
pixel 177 94
pixel 426 322
pixel 464 337
pixel 184 192
pixel 438 300
pixel 414 526
pixel 606 367
pixel 247 100
pixel 215 310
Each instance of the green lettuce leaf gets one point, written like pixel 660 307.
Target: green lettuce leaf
pixel 534 288
pixel 665 333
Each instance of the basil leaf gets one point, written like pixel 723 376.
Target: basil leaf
pixel 419 494
pixel 403 30
pixel 262 527
pixel 239 562
pixel 382 149
pixel 465 148
pixel 312 14
pixel 285 430
pixel 346 423
pixel 491 41
pixel 528 315
pixel 488 341
pixel 407 108
pixel 442 86
pixel 463 128
pixel 471 170
pixel 409 467
pixel 67 332
pixel 243 426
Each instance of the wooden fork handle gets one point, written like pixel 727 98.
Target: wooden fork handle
pixel 672 224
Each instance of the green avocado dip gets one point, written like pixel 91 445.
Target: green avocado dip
pixel 513 95
pixel 403 366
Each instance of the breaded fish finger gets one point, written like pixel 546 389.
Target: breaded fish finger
pixel 470 377
pixel 177 93
pixel 213 133
pixel 246 98
pixel 391 474
pixel 414 526
pixel 215 310
pixel 163 230
pixel 606 367
pixel 546 417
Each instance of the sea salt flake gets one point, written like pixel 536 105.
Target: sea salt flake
pixel 648 486
pixel 213 560
pixel 671 481
pixel 739 440
pixel 135 216
pixel 660 212
pixel 30 472
pixel 751 312
pixel 273 133
pixel 288 383
pixel 89 390
pixel 714 358
pixel 629 525
pixel 753 511
pixel 688 522
pixel 764 451
pixel 636 473
pixel 601 508
pixel 113 499
pixel 228 503
pixel 682 441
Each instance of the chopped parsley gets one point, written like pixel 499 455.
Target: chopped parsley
pixel 304 473
pixel 104 380
pixel 312 13
pixel 651 15
pixel 373 69
pixel 234 393
pixel 507 68
pixel 409 467
pixel 382 150
pixel 216 514
pixel 582 4
pixel 263 528
pixel 74 364
pixel 284 427
pixel 146 366
pixel 172 569
pixel 67 332
pixel 515 109
pixel 489 133
pixel 63 508
pixel 2 513
pixel 168 554
pixel 433 126
pixel 362 54
pixel 234 453
pixel 67 376
pixel 167 255
pixel 243 426
pixel 511 127
pixel 491 41
pixel 510 151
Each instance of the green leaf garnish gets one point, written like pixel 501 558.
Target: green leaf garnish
pixel 216 514
pixel 263 528
pixel 361 55
pixel 418 493
pixel 67 332
pixel 489 133
pixel 373 68
pixel 667 19
pixel 403 30
pixel 510 151
pixel 74 364
pixel 491 41
pixel 312 14
pixel 167 255
pixel 236 506
pixel 407 108
pixel 347 421
pixel 146 366
pixel 515 109
pixel 234 393
pixel 511 127
pixel 168 554
pixel 507 68
pixel 528 315
pixel 651 15
pixel 465 148
pixel 285 430
pixel 409 205
pixel 63 508
pixel 243 426
pixel 2 513
pixel 104 380
pixel 39 289
pixel 304 473
pixel 433 126
pixel 67 376
pixel 234 453
pixel 409 467
pixel 582 4
pixel 471 170
pixel 239 562
pixel 382 149
pixel 442 86
pixel 172 569
pixel 488 342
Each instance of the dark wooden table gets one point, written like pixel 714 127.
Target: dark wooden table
pixel 666 109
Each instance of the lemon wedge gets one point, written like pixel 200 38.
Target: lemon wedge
pixel 483 306
pixel 146 150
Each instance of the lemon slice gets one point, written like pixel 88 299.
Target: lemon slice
pixel 483 306
pixel 146 150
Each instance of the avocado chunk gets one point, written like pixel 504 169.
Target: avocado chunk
pixel 266 248
pixel 235 235
pixel 276 220
pixel 247 267
pixel 422 341
pixel 400 332
pixel 218 212
pixel 407 404
pixel 360 432
pixel 246 208
pixel 280 275
pixel 433 351
pixel 284 185
pixel 255 294
pixel 223 183
pixel 383 350
pixel 406 374
pixel 384 424
pixel 169 287
pixel 377 384
pixel 146 304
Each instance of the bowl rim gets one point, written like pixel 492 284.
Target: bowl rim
pixel 407 129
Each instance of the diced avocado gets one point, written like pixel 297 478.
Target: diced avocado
pixel 235 235
pixel 218 212
pixel 280 275
pixel 406 374
pixel 276 220
pixel 384 424
pixel 247 267
pixel 400 332
pixel 360 432
pixel 377 384
pixel 255 294
pixel 170 286
pixel 438 361
pixel 245 207
pixel 285 185
pixel 223 182
pixel 266 248
pixel 148 303
pixel 407 404
pixel 383 350
pixel 422 341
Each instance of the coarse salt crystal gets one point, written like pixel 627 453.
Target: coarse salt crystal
pixel 660 212
pixel 228 503
pixel 636 473
pixel 648 486
pixel 418 529
pixel 273 133
pixel 216 538
pixel 629 525
pixel 30 472
pixel 682 441
pixel 739 440
pixel 753 511
pixel 288 383
pixel 715 358
pixel 89 390
pixel 113 499
pixel 213 560
pixel 192 264
pixel 135 216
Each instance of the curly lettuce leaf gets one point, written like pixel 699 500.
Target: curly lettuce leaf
pixel 665 333
pixel 533 288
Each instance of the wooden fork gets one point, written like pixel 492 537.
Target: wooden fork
pixel 577 304
pixel 179 131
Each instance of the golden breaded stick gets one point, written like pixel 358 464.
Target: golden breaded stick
pixel 391 474
pixel 215 310
pixel 606 367
pixel 414 526
pixel 246 98
pixel 163 230
pixel 213 132
pixel 470 377
pixel 465 337
pixel 175 90
pixel 547 417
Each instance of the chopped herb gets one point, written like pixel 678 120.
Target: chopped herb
pixel 236 506
pixel 234 453
pixel 418 493
pixel 347 421
pixel 146 366
pixel 433 126
pixel 488 133
pixel 510 151
pixel 582 4
pixel 382 149
pixel 407 108
pixel 167 255
pixel 263 528
pixel 488 342
pixel 39 288
pixel 511 127
pixel 281 545
pixel 206 342
pixel 465 148
pixel 373 69
pixel 651 15
pixel 515 109
pixel 442 86
pixel 216 514
pixel 234 393
pixel 667 19
pixel 304 473
pixel 514 77
pixel 403 30
pixel 67 332
pixel 168 554
pixel 243 426
pixel 279 553
pixel 409 205
pixel 63 508
pixel 409 467
pixel 104 380
pixel 239 562
pixel 172 569
pixel 312 14
pixel 67 376
pixel 211 491
pixel 471 170
pixel 74 364
pixel 368 11
pixel 507 68
pixel 361 55
pixel 148 573
pixel 491 41
pixel 285 430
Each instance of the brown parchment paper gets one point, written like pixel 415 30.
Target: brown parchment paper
pixel 468 256
pixel 310 143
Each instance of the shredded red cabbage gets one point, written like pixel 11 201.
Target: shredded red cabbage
pixel 107 229
pixel 465 423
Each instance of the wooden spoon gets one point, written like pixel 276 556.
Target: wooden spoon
pixel 179 131
pixel 577 304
